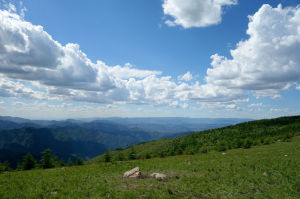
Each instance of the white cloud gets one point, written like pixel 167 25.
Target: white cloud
pixel 220 106
pixel 282 110
pixel 128 71
pixel 20 104
pixel 33 65
pixel 30 56
pixel 298 87
pixel 186 77
pixel 9 88
pixel 255 105
pixel 195 13
pixel 269 60
pixel 207 93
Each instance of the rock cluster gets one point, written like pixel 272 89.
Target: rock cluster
pixel 133 173
pixel 136 173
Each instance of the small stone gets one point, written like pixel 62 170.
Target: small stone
pixel 285 155
pixel 265 174
pixel 158 176
pixel 53 192
pixel 223 153
pixel 133 173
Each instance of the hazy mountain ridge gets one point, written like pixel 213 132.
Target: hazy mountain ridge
pixel 89 138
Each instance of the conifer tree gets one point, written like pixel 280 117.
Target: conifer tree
pixel 70 163
pixel 62 162
pixel 47 159
pixel 107 157
pixel 28 162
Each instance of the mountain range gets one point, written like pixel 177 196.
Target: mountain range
pixel 88 138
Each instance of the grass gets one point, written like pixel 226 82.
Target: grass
pixel 266 171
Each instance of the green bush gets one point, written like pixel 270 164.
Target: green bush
pixel 267 140
pixel 132 154
pixel 4 166
pixel 203 149
pixel 70 162
pixel 247 143
pixel 79 161
pixel 221 146
pixel 147 156
pixel 120 156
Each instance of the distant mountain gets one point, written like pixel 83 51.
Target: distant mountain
pixel 173 125
pixel 89 138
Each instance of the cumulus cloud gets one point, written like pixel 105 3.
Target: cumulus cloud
pixel 33 65
pixel 186 77
pixel 298 87
pixel 195 13
pixel 30 56
pixel 9 88
pixel 268 61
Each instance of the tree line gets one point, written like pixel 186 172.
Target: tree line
pixel 48 160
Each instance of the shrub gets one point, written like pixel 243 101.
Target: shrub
pixel 221 146
pixel 247 143
pixel 4 166
pixel 120 157
pixel 132 154
pixel 70 163
pixel 79 161
pixel 147 156
pixel 203 149
pixel 267 140
pixel 62 162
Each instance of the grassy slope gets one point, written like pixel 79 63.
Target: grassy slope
pixel 258 132
pixel 237 174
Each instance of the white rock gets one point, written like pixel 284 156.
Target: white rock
pixel 133 173
pixel 158 176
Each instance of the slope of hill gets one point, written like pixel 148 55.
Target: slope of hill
pixel 87 139
pixel 266 171
pixel 242 135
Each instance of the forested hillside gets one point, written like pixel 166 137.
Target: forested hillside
pixel 244 135
pixel 89 138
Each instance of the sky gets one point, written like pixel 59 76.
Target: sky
pixel 140 58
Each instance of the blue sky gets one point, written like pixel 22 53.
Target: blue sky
pixel 141 58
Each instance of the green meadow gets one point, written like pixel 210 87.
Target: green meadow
pixel 265 171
